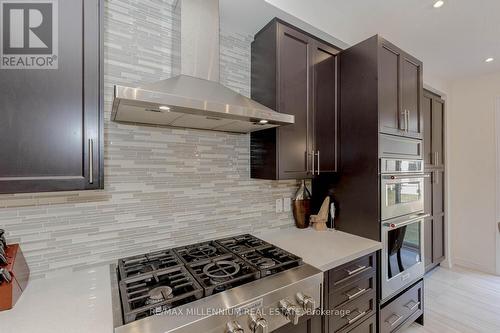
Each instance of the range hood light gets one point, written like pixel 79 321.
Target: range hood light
pixel 263 122
pixel 164 108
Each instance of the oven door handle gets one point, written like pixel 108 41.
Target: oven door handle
pixel 406 222
pixel 406 177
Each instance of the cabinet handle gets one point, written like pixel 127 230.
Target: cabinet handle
pixel 404 121
pixel 354 271
pixel 407 120
pixel 356 318
pixel 392 320
pixel 91 161
pixel 412 305
pixel 313 168
pixel 358 292
pixel 318 162
pixel 436 159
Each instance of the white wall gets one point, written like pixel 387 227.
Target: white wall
pixel 472 171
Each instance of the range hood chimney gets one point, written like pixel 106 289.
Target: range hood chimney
pixel 195 98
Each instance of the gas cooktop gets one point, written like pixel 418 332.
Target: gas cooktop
pixel 154 284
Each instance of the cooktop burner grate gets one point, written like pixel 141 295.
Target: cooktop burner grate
pixel 241 243
pixel 156 292
pixel 202 251
pixel 147 263
pixel 225 272
pixel 270 259
pixel 153 283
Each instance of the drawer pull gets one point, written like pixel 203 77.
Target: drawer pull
pixel 354 271
pixel 412 305
pixel 392 320
pixel 356 318
pixel 355 292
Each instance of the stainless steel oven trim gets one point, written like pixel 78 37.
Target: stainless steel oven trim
pixel 385 168
pixel 402 209
pixel 397 283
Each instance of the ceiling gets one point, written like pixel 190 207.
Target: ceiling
pixel 452 41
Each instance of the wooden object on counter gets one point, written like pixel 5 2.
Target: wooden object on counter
pixel 18 268
pixel 319 221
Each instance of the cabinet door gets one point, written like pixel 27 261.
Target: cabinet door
pixel 438 242
pixel 438 132
pixel 391 119
pixel 295 141
pixel 311 324
pixel 50 133
pixel 427 129
pixel 428 242
pixel 412 91
pixel 325 107
pixel 428 188
pixel 438 228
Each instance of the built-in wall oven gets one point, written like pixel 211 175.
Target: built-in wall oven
pixel 402 218
pixel 402 184
pixel 402 253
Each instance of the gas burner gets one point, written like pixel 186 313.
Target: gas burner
pixel 147 263
pixel 145 269
pixel 197 252
pixel 266 263
pixel 156 292
pixel 205 251
pixel 270 259
pixel 158 295
pixel 221 271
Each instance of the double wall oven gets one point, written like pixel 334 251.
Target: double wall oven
pixel 402 218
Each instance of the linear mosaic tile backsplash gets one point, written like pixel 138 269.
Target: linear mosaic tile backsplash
pixel 163 187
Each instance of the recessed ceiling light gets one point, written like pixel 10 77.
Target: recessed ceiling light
pixel 489 60
pixel 164 108
pixel 438 3
pixel 263 121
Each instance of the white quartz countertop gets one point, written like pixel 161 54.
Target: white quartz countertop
pixel 322 249
pixel 80 302
pixel 77 302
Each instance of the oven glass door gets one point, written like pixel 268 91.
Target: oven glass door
pixel 403 255
pixel 402 195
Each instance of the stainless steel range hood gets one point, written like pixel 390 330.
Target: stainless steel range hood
pixel 195 98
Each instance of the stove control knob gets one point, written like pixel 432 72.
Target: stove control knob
pixel 234 327
pixel 307 302
pixel 258 324
pixel 291 311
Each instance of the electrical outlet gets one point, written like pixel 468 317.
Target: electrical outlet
pixel 279 205
pixel 287 204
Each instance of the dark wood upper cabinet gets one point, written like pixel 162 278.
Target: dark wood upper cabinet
pixel 325 107
pixel 401 90
pixel 294 73
pixel 433 115
pixel 51 135
pixel 438 132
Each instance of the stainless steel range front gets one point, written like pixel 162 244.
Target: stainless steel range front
pixel 237 284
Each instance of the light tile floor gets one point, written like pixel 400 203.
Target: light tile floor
pixel 460 300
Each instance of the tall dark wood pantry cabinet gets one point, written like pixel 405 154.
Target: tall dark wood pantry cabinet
pixel 294 73
pixel 434 150
pixel 51 133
